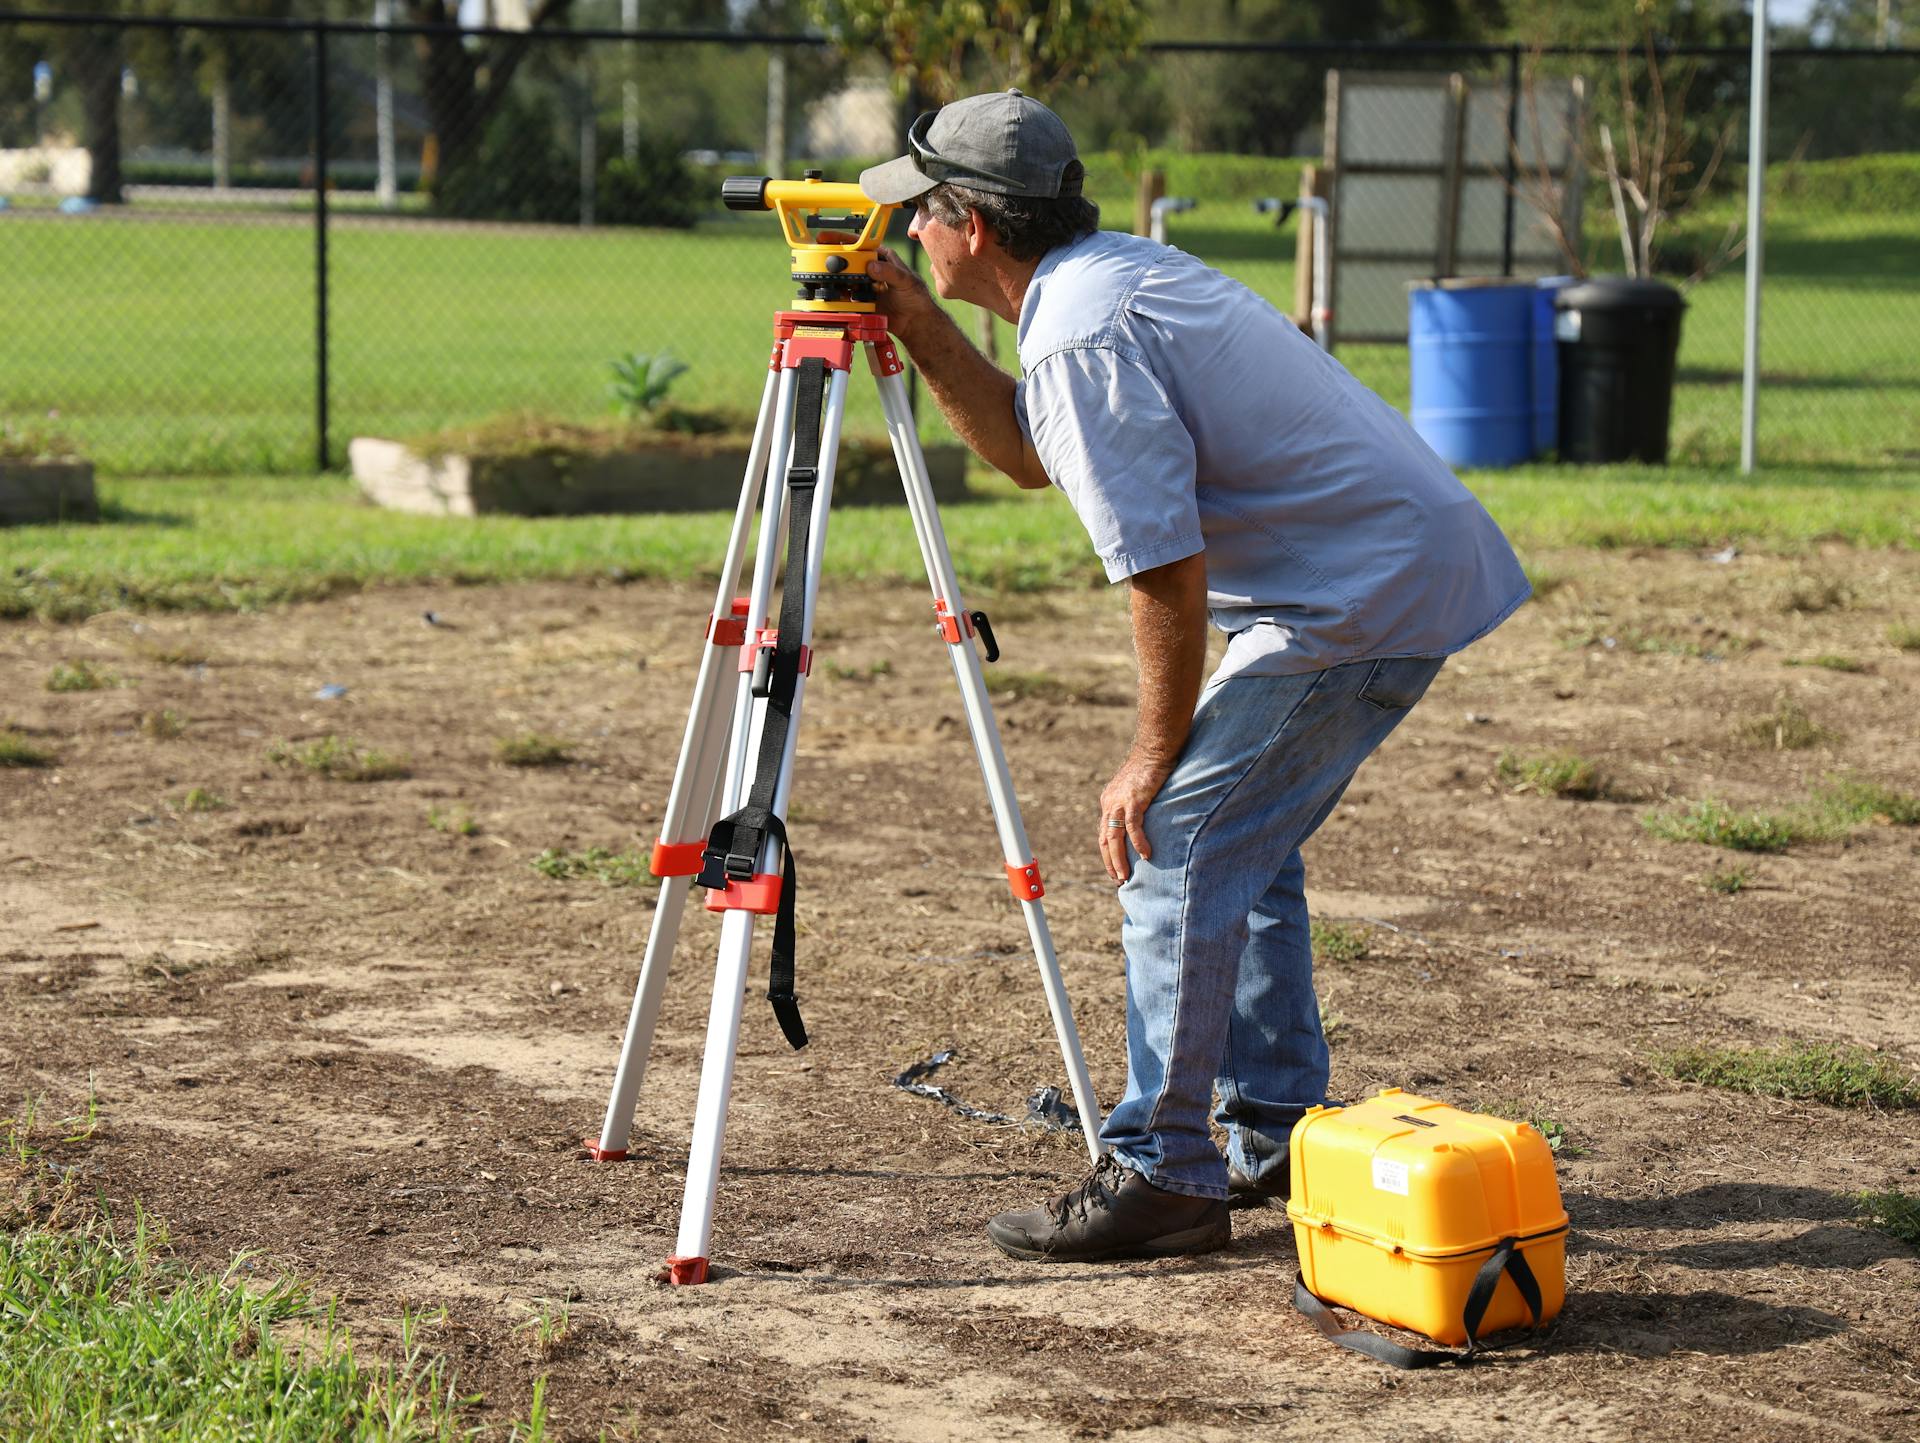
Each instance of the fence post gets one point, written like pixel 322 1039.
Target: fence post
pixel 1513 173
pixel 320 240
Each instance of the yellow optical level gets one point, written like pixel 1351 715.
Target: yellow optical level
pixel 833 227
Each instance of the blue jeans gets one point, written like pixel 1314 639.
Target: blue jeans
pixel 1219 965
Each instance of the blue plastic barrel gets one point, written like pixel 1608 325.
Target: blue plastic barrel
pixel 1473 359
pixel 1546 365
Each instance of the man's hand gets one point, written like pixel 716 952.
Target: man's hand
pixel 1125 800
pixel 904 299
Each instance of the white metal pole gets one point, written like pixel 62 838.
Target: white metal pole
pixel 1016 850
pixel 690 806
pixel 387 186
pixel 776 157
pixel 1756 231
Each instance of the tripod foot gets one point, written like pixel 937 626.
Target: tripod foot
pixel 679 1271
pixel 603 1154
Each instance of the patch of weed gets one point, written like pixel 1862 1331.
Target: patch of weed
pixel 1787 728
pixel 79 676
pixel 1895 1213
pixel 1904 635
pixel 1829 661
pixel 339 759
pixel 1728 883
pixel 844 672
pixel 1551 1128
pixel 1560 774
pixel 610 868
pixel 1713 822
pixel 454 821
pixel 1811 592
pixel 1043 686
pixel 1338 941
pixel 546 1327
pixel 17 751
pixel 163 725
pixel 200 799
pixel 531 749
pixel 173 653
pixel 1332 1025
pixel 1848 799
pixel 1829 1072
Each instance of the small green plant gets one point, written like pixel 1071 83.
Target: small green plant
pixel 1560 774
pixel 1728 883
pixel 17 751
pixel 845 672
pixel 1332 1024
pixel 1895 1213
pixel 1829 661
pixel 1850 800
pixel 1787 728
pixel 610 868
pixel 19 1131
pixel 79 676
pixel 1551 1128
pixel 1829 1072
pixel 200 799
pixel 453 821
pixel 339 759
pixel 530 749
pixel 546 1327
pixel 1904 635
pixel 1338 941
pixel 641 382
pixel 1715 823
pixel 163 725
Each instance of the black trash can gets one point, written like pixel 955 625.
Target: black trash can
pixel 1617 341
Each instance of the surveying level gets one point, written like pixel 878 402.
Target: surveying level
pixel 724 829
pixel 831 252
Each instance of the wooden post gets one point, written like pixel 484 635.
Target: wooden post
pixel 1153 185
pixel 1303 224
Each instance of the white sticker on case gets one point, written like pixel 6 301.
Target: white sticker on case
pixel 1390 1176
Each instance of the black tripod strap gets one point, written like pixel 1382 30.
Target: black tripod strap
pixel 1506 1258
pixel 735 843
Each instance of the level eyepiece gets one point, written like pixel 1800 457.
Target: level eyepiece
pixel 745 192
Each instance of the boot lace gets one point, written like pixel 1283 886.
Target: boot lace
pixel 1095 1190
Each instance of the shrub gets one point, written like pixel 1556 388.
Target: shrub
pixel 1338 942
pixel 654 188
pixel 1895 1213
pixel 1560 774
pixel 79 676
pixel 339 759
pixel 1715 823
pixel 518 171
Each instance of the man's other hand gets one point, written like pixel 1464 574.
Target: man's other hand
pixel 1125 801
pixel 904 298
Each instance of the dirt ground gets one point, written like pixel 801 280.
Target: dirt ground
pixel 320 1028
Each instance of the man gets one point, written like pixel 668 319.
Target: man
pixel 1222 463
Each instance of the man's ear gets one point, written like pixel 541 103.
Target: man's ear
pixel 979 234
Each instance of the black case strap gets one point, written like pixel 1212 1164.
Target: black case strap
pixel 1506 1258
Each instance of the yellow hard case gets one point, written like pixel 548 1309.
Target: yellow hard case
pixel 1398 1200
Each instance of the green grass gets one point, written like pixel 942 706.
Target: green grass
pixel 1550 1128
pixel 439 324
pixel 1851 800
pixel 1729 882
pixel 79 676
pixel 103 1336
pixel 339 759
pixel 1560 774
pixel 602 864
pixel 531 749
pixel 1895 1213
pixel 1715 823
pixel 17 751
pixel 198 800
pixel 1338 941
pixel 1904 636
pixel 1786 728
pixel 453 822
pixel 237 544
pixel 1838 1075
pixel 1829 661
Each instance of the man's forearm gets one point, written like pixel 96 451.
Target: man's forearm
pixel 974 395
pixel 1169 609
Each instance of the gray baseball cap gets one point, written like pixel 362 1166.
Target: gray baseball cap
pixel 1007 143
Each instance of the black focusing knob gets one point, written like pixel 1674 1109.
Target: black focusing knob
pixel 836 264
pixel 744 192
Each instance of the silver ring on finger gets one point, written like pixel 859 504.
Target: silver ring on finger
pixel 1116 821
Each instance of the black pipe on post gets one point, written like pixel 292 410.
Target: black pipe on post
pixel 1513 146
pixel 320 239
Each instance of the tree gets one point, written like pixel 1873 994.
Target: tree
pixel 942 47
pixel 464 80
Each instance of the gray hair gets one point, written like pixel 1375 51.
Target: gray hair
pixel 1028 226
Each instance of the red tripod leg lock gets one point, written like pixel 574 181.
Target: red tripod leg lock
pixel 761 895
pixel 730 630
pixel 676 859
pixel 1025 881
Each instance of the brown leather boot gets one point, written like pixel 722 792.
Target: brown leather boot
pixel 1113 1213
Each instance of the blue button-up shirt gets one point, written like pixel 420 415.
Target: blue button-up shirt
pixel 1182 413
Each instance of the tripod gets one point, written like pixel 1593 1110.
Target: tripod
pixel 724 826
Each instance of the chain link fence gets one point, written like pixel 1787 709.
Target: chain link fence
pixel 230 247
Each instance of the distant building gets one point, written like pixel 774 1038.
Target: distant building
pixel 863 119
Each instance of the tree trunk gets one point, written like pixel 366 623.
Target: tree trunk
pixel 459 101
pixel 98 67
pixel 222 129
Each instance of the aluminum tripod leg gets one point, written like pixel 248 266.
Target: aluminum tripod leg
pixel 689 1261
pixel 958 630
pixel 696 782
